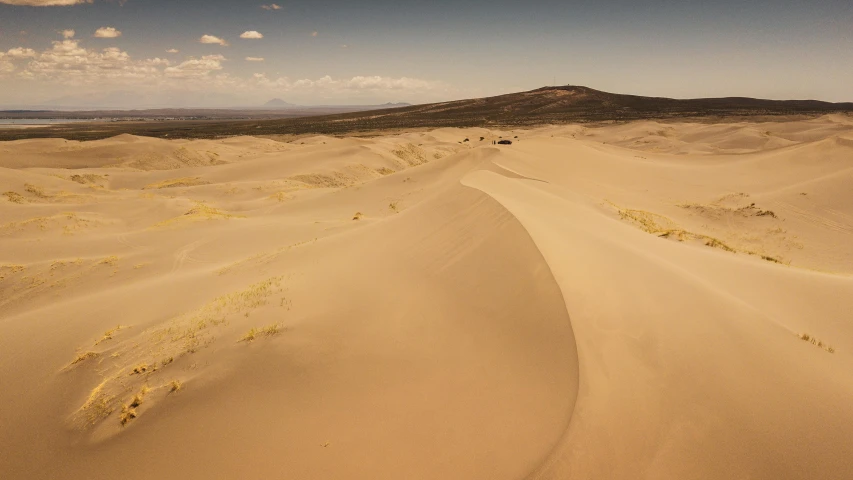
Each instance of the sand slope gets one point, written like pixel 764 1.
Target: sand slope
pixel 614 302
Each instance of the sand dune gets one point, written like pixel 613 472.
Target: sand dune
pixel 645 300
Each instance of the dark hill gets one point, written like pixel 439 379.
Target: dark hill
pixel 567 104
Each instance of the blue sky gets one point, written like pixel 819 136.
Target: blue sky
pixel 149 52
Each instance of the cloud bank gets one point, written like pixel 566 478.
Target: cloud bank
pixel 71 66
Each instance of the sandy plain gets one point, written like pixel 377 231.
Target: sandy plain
pixel 641 300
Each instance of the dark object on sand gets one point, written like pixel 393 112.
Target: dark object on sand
pixel 505 142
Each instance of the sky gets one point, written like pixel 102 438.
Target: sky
pixel 221 53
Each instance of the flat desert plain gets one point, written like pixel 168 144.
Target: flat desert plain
pixel 642 300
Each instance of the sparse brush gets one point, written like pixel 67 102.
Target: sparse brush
pixel 175 385
pixel 14 197
pixel 98 406
pixel 393 206
pixel 108 335
pixel 177 182
pixel 127 414
pixel 357 216
pixel 111 261
pixel 37 191
pixel 85 356
pixel 268 331
pixel 713 242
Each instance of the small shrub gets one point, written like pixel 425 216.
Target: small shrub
pixel 814 341
pixel 175 385
pixel 357 216
pixel 140 369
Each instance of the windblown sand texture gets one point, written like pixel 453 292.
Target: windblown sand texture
pixel 645 300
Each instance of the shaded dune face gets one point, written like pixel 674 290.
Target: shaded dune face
pixel 643 300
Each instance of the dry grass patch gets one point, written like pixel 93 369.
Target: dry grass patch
pixel 82 357
pixel 267 331
pixel 280 196
pixel 88 179
pixel 200 212
pixel 137 361
pixel 111 261
pixel 10 269
pixel 385 171
pixel 98 406
pixel 175 385
pixel 410 154
pixel 14 197
pixel 177 182
pixel 128 411
pixel 666 228
pixel 325 180
pixel 108 335
pixel 35 190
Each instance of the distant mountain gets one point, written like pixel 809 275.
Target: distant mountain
pixel 125 99
pixel 278 103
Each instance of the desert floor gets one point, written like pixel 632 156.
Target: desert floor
pixel 645 300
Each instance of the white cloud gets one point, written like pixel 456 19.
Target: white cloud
pixel 251 35
pixel 21 52
pixel 213 39
pixel 254 59
pixel 107 32
pixel 172 50
pixel 44 3
pixel 271 6
pixel 196 67
pixel 68 33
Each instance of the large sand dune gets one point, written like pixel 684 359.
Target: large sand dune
pixel 646 300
